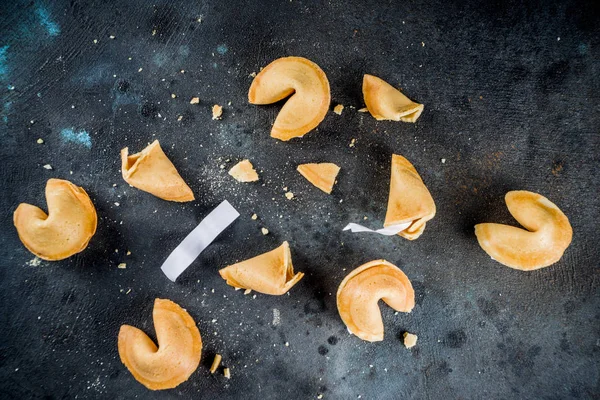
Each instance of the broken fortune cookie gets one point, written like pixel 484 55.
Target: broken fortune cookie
pixel 66 229
pixel 269 273
pixel 309 89
pixel 546 236
pixel 385 102
pixel 244 172
pixel 359 294
pixel 151 171
pixel 409 200
pixel 177 355
pixel 322 175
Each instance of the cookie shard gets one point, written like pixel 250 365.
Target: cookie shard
pixel 269 273
pixel 66 229
pixel 546 236
pixel 359 293
pixel 310 96
pixel 177 355
pixel 151 171
pixel 244 172
pixel 409 199
pixel 322 175
pixel 385 102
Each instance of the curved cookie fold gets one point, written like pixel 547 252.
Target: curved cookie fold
pixel 322 175
pixel 546 236
pixel 177 355
pixel 409 199
pixel 309 89
pixel 151 171
pixel 269 273
pixel 385 102
pixel 66 229
pixel 359 293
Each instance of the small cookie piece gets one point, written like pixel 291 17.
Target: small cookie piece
pixel 244 172
pixel 410 340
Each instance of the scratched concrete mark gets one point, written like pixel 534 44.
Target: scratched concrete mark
pixel 46 20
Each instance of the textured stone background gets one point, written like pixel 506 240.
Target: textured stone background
pixel 511 102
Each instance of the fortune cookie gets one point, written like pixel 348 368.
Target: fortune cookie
pixel 546 236
pixel 151 171
pixel 177 355
pixel 66 229
pixel 385 102
pixel 321 175
pixel 409 200
pixel 309 90
pixel 360 292
pixel 268 273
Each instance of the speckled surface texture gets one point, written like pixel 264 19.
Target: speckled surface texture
pixel 511 102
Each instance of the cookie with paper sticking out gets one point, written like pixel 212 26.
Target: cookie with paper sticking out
pixel 307 87
pixel 66 229
pixel 269 273
pixel 546 236
pixel 151 171
pixel 175 358
pixel 409 199
pixel 385 102
pixel 359 293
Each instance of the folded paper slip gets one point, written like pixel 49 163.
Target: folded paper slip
pixel 199 239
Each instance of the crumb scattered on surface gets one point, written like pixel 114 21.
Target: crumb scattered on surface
pixel 253 75
pixel 217 111
pixel 254 216
pixel 215 364
pixel 352 142
pixel 443 161
pixel 128 291
pixel 338 109
pixel 95 41
pixel 410 340
pixel 140 70
pixel 34 262
pixel 128 253
pixel 173 95
pixel 227 373
pixel 111 36
pixel 180 118
pixel 264 231
pixel 122 266
pixel 365 218
pixel 48 166
pixel 195 100
pixel 364 109
pixel 117 204
pixel 289 195
pixel 247 291
pixel 40 141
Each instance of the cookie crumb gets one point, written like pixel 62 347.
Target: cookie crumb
pixel 254 217
pixel 122 266
pixel 247 291
pixel 289 195
pixel 173 95
pixel 48 166
pixel 40 141
pixel 264 231
pixel 338 109
pixel 252 75
pixel 195 100
pixel 443 161
pixel 227 373
pixel 352 142
pixel 364 109
pixel 410 340
pixel 180 118
pixel 215 364
pixel 217 111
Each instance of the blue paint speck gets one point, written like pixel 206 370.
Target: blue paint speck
pixel 46 21
pixel 5 111
pixel 80 137
pixel 222 49
pixel 3 59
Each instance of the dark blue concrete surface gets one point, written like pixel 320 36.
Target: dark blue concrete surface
pixel 511 102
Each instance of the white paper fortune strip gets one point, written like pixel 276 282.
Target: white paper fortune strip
pixel 199 239
pixel 389 231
